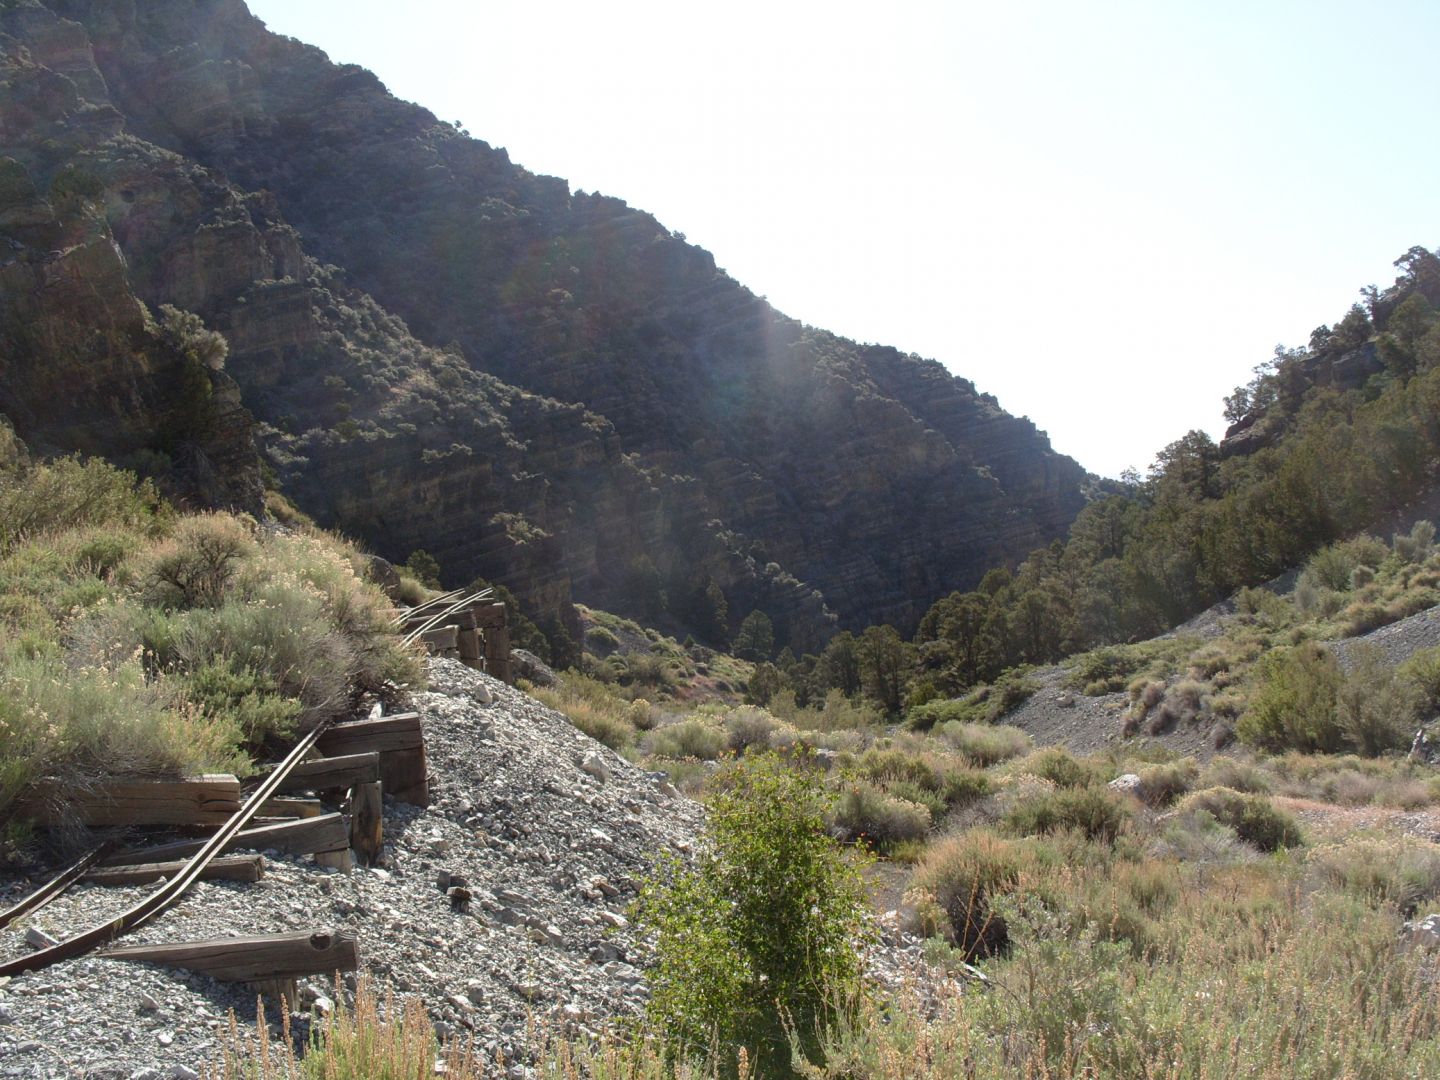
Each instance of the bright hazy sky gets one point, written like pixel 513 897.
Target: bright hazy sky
pixel 1105 213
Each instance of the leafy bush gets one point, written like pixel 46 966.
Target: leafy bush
pixel 1377 708
pixel 1401 871
pixel 984 745
pixel 983 705
pixel 770 920
pixel 748 726
pixel 954 887
pixel 1422 671
pixel 160 645
pixel 1097 813
pixel 1254 818
pixel 1293 704
pixel 687 739
pixel 1161 785
pixel 1231 773
pixel 1060 767
pixel 944 779
pixel 867 812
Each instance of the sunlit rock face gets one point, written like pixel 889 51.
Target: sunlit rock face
pixel 442 350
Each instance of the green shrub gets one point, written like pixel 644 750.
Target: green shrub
pixel 687 739
pixel 1293 704
pixel 1231 773
pixel 1422 671
pixel 1401 871
pixel 1377 709
pixel 770 921
pixel 983 705
pixel 866 812
pixel 984 745
pixel 1097 813
pixel 1254 818
pixel 57 496
pixel 1161 785
pixel 196 565
pixel 748 726
pixel 954 887
pixel 1060 767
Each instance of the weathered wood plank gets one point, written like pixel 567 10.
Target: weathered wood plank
pixel 253 959
pixel 304 837
pixel 225 868
pixel 470 646
pixel 441 639
pixel 194 800
pixel 291 808
pixel 399 732
pixel 367 823
pixel 399 740
pixel 497 653
pixel 332 773
pixel 489 615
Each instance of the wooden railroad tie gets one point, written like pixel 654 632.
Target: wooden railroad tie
pixel 225 868
pixel 195 800
pixel 332 773
pixel 270 962
pixel 307 836
pixel 400 742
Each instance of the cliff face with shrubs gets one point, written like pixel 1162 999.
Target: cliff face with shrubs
pixel 442 350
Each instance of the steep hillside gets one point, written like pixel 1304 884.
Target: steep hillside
pixel 575 396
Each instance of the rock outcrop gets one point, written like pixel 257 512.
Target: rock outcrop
pixel 445 351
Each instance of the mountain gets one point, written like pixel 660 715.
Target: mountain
pixel 430 347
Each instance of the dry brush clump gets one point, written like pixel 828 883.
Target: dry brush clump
pixel 138 642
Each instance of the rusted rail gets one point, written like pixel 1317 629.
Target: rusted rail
pixel 57 885
pixel 148 908
pixel 445 613
pixel 408 613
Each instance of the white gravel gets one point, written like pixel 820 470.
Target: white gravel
pixel 550 830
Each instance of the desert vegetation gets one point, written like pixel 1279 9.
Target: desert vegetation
pixel 137 640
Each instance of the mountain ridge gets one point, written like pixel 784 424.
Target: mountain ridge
pixel 569 390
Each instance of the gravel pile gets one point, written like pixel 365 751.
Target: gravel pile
pixel 547 831
pixel 1397 642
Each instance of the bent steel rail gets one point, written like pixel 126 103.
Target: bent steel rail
pixel 152 905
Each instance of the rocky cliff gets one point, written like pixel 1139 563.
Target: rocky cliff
pixel 445 351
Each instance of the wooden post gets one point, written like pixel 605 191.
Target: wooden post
pixel 367 823
pixel 470 654
pixel 497 653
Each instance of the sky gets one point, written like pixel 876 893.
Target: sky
pixel 1104 213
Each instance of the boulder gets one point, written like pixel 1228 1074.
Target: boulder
pixel 531 668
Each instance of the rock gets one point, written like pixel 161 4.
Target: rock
pixel 183 1072
pixel 39 939
pixel 531 668
pixel 594 765
pixel 1422 933
pixel 147 1003
pixel 1127 783
pixel 384 574
pixel 603 952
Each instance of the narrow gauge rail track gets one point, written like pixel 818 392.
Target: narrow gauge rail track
pixel 164 896
pixel 446 612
